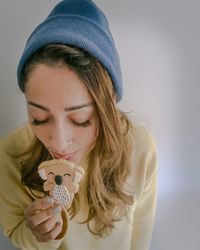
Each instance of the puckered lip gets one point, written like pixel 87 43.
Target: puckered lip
pixel 68 156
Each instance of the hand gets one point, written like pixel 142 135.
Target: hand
pixel 44 219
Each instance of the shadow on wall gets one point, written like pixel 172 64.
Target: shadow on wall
pixel 177 222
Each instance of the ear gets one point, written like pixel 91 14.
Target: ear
pixel 42 174
pixel 77 177
pixel 79 173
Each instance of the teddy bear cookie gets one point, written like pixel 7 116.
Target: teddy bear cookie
pixel 62 179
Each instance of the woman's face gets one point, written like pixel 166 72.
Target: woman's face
pixel 60 112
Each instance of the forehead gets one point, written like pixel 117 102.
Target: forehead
pixel 56 83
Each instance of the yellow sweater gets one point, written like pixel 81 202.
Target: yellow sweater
pixel 133 232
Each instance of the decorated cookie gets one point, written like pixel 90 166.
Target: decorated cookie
pixel 62 179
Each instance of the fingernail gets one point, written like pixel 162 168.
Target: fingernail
pixel 56 210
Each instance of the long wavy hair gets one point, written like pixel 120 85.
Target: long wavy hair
pixel 106 195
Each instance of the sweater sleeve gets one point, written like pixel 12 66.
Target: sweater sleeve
pixel 14 198
pixel 23 238
pixel 146 182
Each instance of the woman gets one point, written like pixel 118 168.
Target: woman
pixel 70 75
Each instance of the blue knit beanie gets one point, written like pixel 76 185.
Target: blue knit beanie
pixel 82 24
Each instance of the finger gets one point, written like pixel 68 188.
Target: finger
pixel 50 235
pixel 42 216
pixel 47 226
pixel 38 205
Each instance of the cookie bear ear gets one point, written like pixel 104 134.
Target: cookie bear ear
pixel 79 173
pixel 42 174
pixel 77 178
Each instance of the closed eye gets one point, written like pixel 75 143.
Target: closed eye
pixel 50 173
pixel 82 124
pixel 37 122
pixel 67 174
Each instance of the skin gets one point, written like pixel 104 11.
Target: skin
pixel 62 116
pixel 44 219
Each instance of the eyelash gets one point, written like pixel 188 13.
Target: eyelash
pixel 37 122
pixel 82 124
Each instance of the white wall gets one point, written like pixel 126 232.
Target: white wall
pixel 158 42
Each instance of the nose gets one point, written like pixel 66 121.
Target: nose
pixel 60 138
pixel 58 179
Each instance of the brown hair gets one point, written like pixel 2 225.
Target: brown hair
pixel 107 198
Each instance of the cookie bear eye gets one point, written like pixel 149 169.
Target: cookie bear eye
pixel 67 174
pixel 50 173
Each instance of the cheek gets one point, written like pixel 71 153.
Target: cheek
pixel 67 180
pixel 51 179
pixel 40 133
pixel 86 137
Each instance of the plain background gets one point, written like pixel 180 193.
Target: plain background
pixel 158 42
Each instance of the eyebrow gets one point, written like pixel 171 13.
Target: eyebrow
pixel 67 109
